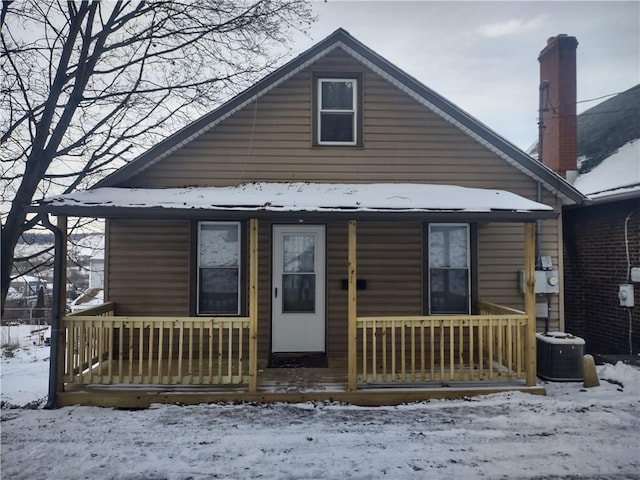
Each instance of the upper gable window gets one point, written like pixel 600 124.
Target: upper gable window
pixel 337 120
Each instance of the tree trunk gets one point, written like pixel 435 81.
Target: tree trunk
pixel 11 232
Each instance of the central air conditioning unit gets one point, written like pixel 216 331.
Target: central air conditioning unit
pixel 560 357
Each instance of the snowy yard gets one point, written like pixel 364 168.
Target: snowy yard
pixel 572 433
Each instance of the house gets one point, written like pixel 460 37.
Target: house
pixel 602 237
pixel 339 219
pixel 96 266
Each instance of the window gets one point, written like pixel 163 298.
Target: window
pixel 299 273
pixel 218 268
pixel 337 111
pixel 449 272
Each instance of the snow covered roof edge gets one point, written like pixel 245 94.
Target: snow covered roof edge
pixel 305 197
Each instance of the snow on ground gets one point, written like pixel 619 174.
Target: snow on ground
pixel 572 433
pixel 24 376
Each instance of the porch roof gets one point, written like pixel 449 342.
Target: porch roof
pixel 280 200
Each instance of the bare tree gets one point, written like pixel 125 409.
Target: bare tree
pixel 87 85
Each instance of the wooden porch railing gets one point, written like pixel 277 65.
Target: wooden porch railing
pixel 443 348
pixel 106 349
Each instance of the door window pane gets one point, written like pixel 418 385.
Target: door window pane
pixel 299 293
pixel 299 253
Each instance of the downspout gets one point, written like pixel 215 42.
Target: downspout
pixel 58 262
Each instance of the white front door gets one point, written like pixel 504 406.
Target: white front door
pixel 298 289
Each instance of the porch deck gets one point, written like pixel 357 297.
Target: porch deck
pixel 286 385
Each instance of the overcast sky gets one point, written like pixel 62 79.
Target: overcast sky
pixel 483 55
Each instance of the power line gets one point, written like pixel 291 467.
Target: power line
pixel 599 98
pixel 611 111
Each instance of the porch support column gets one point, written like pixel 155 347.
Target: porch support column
pixel 530 302
pixel 253 305
pixel 61 337
pixel 352 367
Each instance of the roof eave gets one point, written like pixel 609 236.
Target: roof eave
pixel 99 211
pixel 613 197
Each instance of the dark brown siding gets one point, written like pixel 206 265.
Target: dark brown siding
pixel 149 267
pixel 271 140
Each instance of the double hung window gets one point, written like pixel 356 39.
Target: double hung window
pixel 449 273
pixel 337 113
pixel 219 269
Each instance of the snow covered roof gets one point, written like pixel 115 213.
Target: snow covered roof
pixel 303 197
pixel 617 176
pixel 405 82
pixel 607 127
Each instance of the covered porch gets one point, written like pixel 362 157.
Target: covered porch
pixel 106 357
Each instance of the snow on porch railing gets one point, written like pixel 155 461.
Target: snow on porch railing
pixel 443 348
pixel 156 350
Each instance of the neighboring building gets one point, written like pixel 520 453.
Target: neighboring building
pixel 96 266
pixel 599 152
pixel 87 299
pixel 337 214
pixel 26 289
pixel 602 238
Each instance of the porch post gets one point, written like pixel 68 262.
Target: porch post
pixel 253 305
pixel 530 302
pixel 352 310
pixel 61 337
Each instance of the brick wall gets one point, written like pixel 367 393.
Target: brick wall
pixel 595 264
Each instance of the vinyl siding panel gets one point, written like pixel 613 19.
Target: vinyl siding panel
pixel 152 277
pixel 271 140
pixel 149 267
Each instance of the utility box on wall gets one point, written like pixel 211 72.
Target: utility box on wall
pixel 560 356
pixel 547 281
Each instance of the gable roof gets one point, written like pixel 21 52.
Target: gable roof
pixel 418 91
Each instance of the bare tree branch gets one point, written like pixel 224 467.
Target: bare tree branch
pixel 88 85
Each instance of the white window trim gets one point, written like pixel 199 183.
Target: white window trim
pixel 469 293
pixel 239 267
pixel 353 111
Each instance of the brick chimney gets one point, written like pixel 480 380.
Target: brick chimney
pixel 559 134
